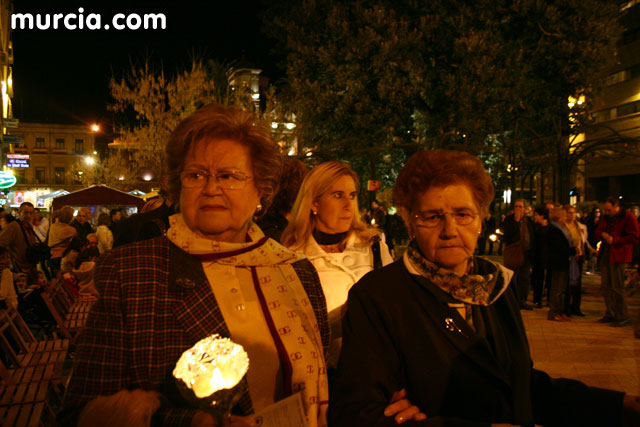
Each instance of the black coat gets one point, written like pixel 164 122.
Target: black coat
pixel 560 250
pixel 399 332
pixel 511 230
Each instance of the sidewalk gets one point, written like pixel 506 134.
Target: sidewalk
pixel 595 353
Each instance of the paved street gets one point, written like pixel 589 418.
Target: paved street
pixel 598 354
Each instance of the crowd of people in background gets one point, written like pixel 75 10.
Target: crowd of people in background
pixel 558 242
pixel 308 235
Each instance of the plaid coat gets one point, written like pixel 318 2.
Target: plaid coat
pixel 155 303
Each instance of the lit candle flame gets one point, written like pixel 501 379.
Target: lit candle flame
pixel 212 364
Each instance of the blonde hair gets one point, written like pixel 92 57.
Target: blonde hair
pixel 315 184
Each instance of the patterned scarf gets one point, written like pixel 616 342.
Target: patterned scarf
pixel 284 303
pixel 474 289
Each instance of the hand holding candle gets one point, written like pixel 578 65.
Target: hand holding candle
pixel 208 373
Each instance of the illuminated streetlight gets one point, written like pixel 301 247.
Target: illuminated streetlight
pixel 95 127
pixel 89 160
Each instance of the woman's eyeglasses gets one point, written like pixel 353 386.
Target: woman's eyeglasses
pixel 434 219
pixel 225 179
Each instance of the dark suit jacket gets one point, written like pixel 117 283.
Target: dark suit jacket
pixel 559 249
pixel 143 226
pixel 155 303
pixel 399 333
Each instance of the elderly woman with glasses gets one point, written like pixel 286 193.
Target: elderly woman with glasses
pixel 446 325
pixel 213 273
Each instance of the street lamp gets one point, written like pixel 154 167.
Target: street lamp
pixel 89 160
pixel 95 127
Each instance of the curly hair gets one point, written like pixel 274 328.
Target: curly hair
pixel 439 168
pixel 215 122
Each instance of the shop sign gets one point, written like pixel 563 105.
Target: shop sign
pixel 7 179
pixel 17 161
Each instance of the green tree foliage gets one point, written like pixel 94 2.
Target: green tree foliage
pixel 158 102
pixel 149 104
pixel 347 72
pixel 373 81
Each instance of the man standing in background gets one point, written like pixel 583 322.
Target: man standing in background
pixel 81 223
pixel 618 231
pixel 518 238
pixel 17 237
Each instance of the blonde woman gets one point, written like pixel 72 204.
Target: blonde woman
pixel 326 226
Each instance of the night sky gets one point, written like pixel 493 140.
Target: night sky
pixel 62 76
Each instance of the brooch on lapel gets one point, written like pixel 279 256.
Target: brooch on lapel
pixel 450 324
pixel 186 283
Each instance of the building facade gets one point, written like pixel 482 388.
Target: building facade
pixel 45 160
pixel 6 59
pixel 617 115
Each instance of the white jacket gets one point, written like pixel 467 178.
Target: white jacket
pixel 340 271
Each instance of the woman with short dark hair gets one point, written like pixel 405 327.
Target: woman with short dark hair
pixel 213 273
pixel 446 326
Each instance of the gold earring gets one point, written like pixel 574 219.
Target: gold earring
pixel 314 212
pixel 259 207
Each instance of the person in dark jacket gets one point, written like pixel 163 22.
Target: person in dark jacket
pixel 145 225
pixel 276 219
pixel 560 252
pixel 446 326
pixel 540 273
pixel 518 228
pixel 82 224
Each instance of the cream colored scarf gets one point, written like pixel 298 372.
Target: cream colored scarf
pixel 285 305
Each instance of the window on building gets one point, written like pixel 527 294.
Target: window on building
pixel 41 175
pixel 629 108
pixel 60 143
pixel 603 116
pixel 58 175
pixel 21 177
pixel 39 143
pixel 629 36
pixel 79 146
pixel 618 77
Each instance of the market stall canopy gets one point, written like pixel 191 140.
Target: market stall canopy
pixel 97 195
pixel 54 194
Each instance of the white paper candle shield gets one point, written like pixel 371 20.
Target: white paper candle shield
pixel 212 364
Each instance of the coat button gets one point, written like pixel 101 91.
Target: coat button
pixel 240 307
pixel 234 290
pixel 348 260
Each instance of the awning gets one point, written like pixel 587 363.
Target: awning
pixel 54 194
